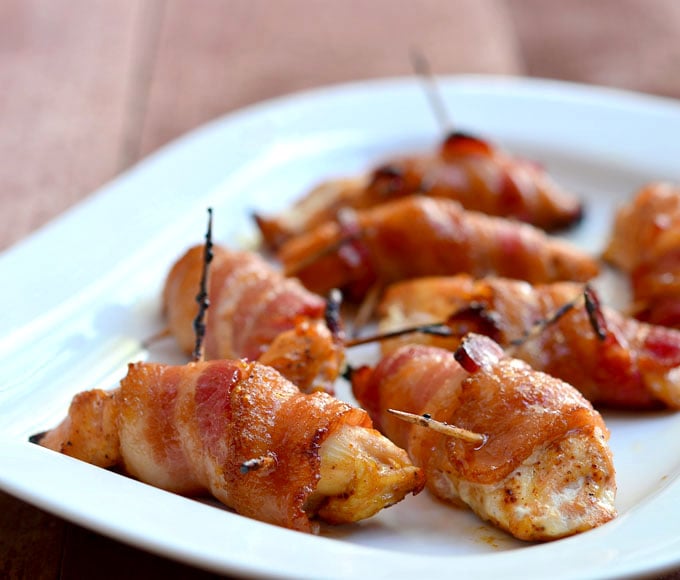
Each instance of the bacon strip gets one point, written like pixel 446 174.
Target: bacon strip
pixel 645 243
pixel 545 471
pixel 635 366
pixel 244 434
pixel 419 236
pixel 254 312
pixel 474 173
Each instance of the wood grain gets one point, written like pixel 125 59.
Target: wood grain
pixel 31 540
pixel 66 87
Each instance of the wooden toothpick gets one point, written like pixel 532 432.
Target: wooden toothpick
pixel 202 296
pixel 440 427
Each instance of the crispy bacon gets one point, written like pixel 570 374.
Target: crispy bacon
pixel 419 236
pixel 633 365
pixel 545 470
pixel 645 243
pixel 244 434
pixel 466 169
pixel 254 312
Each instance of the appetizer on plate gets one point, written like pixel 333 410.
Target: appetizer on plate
pixel 544 469
pixel 236 429
pixel 258 314
pixel 243 433
pixel 419 236
pixel 645 243
pixel 621 362
pixel 464 168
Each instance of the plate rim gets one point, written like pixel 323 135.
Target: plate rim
pixel 26 249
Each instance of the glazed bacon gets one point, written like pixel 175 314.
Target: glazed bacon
pixel 633 365
pixel 466 169
pixel 645 243
pixel 545 470
pixel 244 434
pixel 419 236
pixel 255 313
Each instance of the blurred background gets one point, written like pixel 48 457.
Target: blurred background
pixel 90 87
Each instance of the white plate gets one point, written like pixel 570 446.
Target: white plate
pixel 80 295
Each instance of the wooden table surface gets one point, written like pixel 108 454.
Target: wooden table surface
pixel 89 87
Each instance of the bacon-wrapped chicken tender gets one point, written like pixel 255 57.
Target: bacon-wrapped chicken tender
pixel 255 313
pixel 244 434
pixel 466 169
pixel 545 470
pixel 645 243
pixel 419 236
pixel 630 365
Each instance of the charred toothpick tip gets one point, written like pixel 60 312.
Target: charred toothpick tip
pixel 594 311
pixel 264 461
pixel 332 315
pixel 202 296
pixel 426 420
pixel 347 373
pixel 541 325
pixel 37 438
